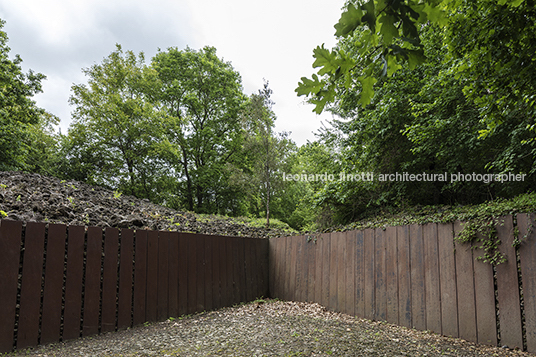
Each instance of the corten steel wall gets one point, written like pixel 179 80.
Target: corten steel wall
pixel 417 276
pixel 61 282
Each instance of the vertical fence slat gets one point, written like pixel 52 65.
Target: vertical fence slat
pixel 248 263
pixel 379 270
pixel 226 273
pixel 418 294
pixel 263 268
pixel 140 278
pixel 73 282
pixel 192 273
pixel 404 277
pixel 52 294
pixel 216 271
pixel 341 271
pixel 124 316
pixel 486 320
pixel 391 275
pixel 10 240
pixel 272 261
pixel 432 278
pixel 300 268
pixel 326 246
pixel 369 274
pixel 447 271
pixel 527 252
pixel 200 272
pixel 163 276
pixel 30 299
pixel 173 274
pixel 151 297
pixel 359 289
pixel 293 267
pixel 319 270
pixel 92 281
pixel 508 287
pixel 466 289
pixel 350 272
pixel 109 280
pixel 333 271
pixel 183 274
pixel 208 259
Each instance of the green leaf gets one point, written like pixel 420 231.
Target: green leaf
pixel 349 21
pixel 388 29
pixel 415 58
pixel 326 59
pixel 370 17
pixel 367 92
pixel 308 86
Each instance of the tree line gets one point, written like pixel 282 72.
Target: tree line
pixel 431 86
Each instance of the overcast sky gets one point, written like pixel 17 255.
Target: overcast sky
pixel 262 39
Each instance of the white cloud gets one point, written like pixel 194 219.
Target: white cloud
pixel 272 40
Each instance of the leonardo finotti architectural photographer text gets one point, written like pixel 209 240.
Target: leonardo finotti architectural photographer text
pixel 406 176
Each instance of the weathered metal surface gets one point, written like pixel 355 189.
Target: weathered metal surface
pixel 32 272
pixel 391 275
pixel 404 277
pixel 369 274
pixel 173 274
pixel 486 320
pixel 432 278
pixel 527 252
pixel 163 277
pixel 109 279
pixel 466 289
pixel 508 287
pixel 124 315
pixel 151 297
pixel 447 271
pixel 73 282
pixel 140 278
pixel 52 293
pixel 418 293
pixel 10 245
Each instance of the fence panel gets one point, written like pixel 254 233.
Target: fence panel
pixel 508 287
pixel 140 278
pixel 52 294
pixel 466 289
pixel 391 275
pixel 527 252
pixel 404 277
pixel 124 307
pixel 183 274
pixel 173 275
pixel 369 274
pixel 109 279
pixel 92 281
pixel 318 269
pixel 417 276
pixel 447 271
pixel 10 245
pixel 486 320
pixel 340 289
pixel 379 270
pixel 432 282
pixel 30 295
pixel 73 282
pixel 350 271
pixel 359 288
pixel 151 297
pixel 162 296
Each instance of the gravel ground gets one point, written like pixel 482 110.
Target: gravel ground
pixel 268 328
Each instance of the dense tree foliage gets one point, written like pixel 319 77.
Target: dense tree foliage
pixel 201 96
pixel 469 108
pixel 25 141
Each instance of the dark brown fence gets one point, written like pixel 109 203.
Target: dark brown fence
pixel 417 276
pixel 61 282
